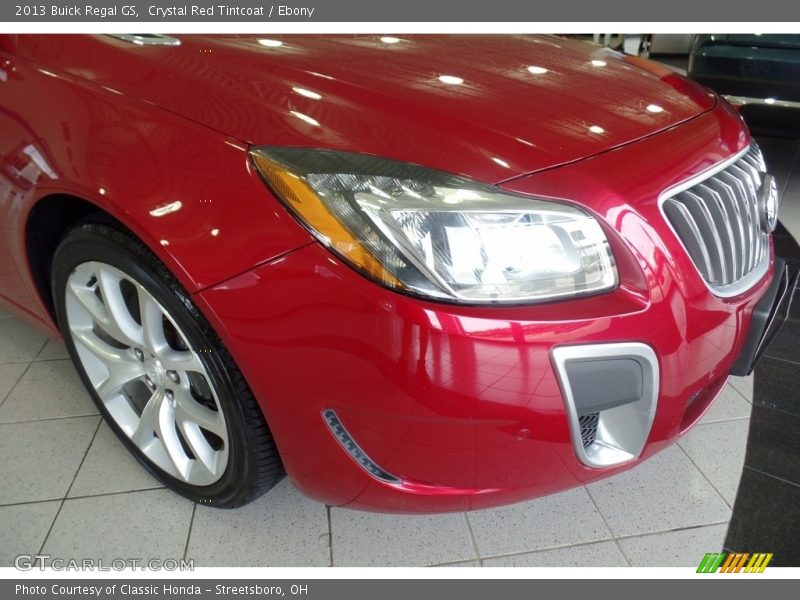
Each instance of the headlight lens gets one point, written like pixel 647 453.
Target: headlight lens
pixel 439 235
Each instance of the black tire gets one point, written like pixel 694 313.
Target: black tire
pixel 254 465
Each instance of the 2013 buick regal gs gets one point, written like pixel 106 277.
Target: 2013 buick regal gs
pixel 414 274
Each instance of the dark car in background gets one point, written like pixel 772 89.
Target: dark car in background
pixel 760 73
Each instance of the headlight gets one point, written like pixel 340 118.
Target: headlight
pixel 439 235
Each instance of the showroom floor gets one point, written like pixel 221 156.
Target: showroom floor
pixel 70 489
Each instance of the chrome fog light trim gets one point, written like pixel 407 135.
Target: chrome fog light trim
pixel 624 422
pixel 354 450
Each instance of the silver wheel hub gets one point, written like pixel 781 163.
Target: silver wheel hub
pixel 151 381
pixel 156 372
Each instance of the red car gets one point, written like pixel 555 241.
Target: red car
pixel 416 274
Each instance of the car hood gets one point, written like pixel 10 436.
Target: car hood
pixel 489 107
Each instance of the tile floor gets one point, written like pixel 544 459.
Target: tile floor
pixel 69 488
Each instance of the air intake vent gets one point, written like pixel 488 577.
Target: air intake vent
pixel 610 395
pixel 718 219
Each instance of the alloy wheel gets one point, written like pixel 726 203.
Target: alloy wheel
pixel 150 380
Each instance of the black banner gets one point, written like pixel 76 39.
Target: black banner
pixel 330 11
pixel 392 589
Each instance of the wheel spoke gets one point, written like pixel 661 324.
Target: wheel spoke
pixel 168 435
pixel 200 470
pixel 204 454
pixel 182 361
pixel 88 299
pixel 187 409
pixel 122 326
pixel 100 348
pixel 152 319
pixel 122 367
pixel 148 420
pixel 119 376
pixel 158 421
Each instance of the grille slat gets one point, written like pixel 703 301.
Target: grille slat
pixel 689 232
pixel 752 208
pixel 751 161
pixel 710 232
pixel 753 171
pixel 729 240
pixel 745 216
pixel 718 221
pixel 727 196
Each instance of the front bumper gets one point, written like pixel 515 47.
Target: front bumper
pixel 449 408
pixel 768 317
pixel 463 406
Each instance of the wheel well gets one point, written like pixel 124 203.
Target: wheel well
pixel 48 221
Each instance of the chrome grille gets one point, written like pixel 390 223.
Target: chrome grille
pixel 718 220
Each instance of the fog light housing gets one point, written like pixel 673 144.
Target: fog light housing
pixel 610 394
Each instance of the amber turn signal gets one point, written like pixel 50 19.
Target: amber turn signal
pixel 310 210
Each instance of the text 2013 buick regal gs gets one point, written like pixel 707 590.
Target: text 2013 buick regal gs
pixel 415 274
